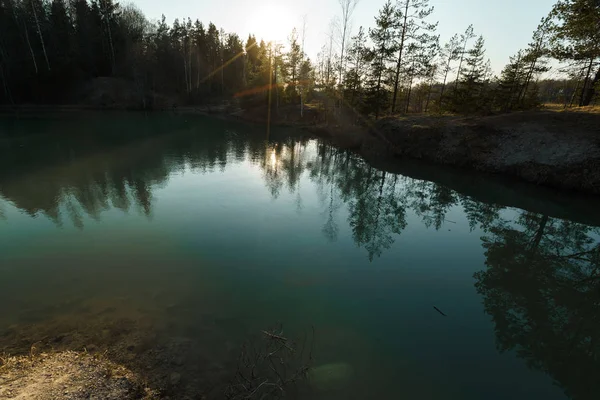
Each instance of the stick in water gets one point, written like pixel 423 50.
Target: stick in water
pixel 440 311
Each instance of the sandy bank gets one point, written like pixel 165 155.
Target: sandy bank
pixel 68 375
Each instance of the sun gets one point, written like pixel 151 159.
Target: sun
pixel 270 22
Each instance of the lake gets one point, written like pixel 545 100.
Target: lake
pixel 172 242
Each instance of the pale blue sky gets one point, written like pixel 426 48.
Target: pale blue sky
pixel 506 25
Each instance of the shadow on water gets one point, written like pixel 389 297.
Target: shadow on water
pixel 540 282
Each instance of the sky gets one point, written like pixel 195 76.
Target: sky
pixel 506 25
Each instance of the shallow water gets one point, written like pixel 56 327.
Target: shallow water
pixel 215 231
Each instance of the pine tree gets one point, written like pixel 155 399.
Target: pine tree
pixel 464 39
pixel 534 57
pixel 420 60
pixel 467 96
pixel 306 76
pixel 199 43
pixel 512 80
pixel 450 52
pixel 575 35
pixel 293 59
pixel 382 37
pixel 357 59
pixel 412 26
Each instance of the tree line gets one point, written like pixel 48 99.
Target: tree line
pixel 50 51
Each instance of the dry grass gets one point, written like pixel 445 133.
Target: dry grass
pixel 594 109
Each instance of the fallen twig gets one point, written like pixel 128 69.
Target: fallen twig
pixel 440 311
pixel 274 336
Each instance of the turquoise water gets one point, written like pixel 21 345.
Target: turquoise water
pixel 184 220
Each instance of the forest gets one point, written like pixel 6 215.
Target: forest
pixel 55 52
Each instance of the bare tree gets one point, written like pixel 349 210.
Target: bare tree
pixel 221 47
pixel 330 35
pixel 347 7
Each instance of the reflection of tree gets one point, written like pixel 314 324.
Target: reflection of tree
pixel 330 228
pixel 542 289
pixel 377 201
pixel 377 213
pixel 86 175
pixel 480 214
pixel 431 202
pixel 273 171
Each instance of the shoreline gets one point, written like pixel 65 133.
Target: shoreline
pixel 559 150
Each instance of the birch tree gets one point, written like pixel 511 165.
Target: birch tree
pixel 347 9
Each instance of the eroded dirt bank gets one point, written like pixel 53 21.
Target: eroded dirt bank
pixel 557 149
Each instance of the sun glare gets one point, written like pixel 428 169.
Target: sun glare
pixel 270 22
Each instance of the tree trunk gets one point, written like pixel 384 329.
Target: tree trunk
pixel 591 90
pixel 523 93
pixel 538 46
pixel 30 48
pixel 462 56
pixel 198 76
pixel 270 91
pixel 5 85
pixel 222 64
pixel 514 84
pixel 342 54
pixel 428 95
pixel 329 60
pixel 377 92
pixel 398 66
pixel 445 79
pixel 274 85
pixel 185 70
pixel 37 23
pixel 574 93
pixel 585 84
pixel 409 91
pixel 538 235
pixel 110 41
pixel 190 64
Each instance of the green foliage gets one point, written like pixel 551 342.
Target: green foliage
pixel 470 92
pixel 382 36
pixel 575 35
pixel 512 82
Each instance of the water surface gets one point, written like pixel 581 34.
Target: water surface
pixel 212 231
